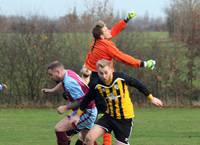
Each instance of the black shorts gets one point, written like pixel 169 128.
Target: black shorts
pixel 121 128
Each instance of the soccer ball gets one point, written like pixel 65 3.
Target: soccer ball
pixel 1 87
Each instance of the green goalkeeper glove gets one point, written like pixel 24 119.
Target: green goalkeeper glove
pixel 150 64
pixel 131 15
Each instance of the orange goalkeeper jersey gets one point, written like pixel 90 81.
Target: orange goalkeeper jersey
pixel 106 49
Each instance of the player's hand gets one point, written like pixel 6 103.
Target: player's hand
pixel 131 15
pixel 157 102
pixel 62 109
pixel 45 90
pixel 150 64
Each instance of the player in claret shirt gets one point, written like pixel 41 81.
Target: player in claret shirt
pixel 75 89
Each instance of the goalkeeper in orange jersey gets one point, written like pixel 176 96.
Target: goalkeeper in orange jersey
pixel 103 48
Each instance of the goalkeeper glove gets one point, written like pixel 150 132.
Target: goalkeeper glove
pixel 130 16
pixel 150 64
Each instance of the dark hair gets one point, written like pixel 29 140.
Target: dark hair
pixel 97 31
pixel 54 64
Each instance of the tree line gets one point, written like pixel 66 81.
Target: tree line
pixel 27 45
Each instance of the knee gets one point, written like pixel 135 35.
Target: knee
pixel 88 139
pixel 58 128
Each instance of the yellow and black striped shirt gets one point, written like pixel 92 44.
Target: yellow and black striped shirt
pixel 116 95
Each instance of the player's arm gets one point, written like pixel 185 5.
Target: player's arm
pixel 131 81
pixel 118 55
pixel 118 27
pixel 57 88
pixel 73 105
pixel 63 108
pixel 142 88
pixel 84 103
pixel 86 100
pixel 99 101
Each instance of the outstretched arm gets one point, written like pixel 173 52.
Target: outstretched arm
pixel 118 55
pixel 118 27
pixel 57 88
pixel 138 85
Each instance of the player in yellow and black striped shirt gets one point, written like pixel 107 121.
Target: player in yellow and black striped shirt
pixel 111 96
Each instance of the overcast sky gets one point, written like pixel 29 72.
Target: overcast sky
pixel 57 8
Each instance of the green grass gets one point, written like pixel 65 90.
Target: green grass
pixel 167 127
pixel 152 127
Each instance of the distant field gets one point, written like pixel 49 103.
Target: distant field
pixel 152 127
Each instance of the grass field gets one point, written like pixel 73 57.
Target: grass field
pixel 152 127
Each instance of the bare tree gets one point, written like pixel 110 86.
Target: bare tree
pixel 184 25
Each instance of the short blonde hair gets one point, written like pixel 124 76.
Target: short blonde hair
pixel 103 63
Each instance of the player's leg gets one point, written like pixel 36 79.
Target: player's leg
pixel 107 138
pixel 81 137
pixel 122 130
pixel 71 133
pixel 86 122
pixel 61 128
pixel 95 132
pixel 102 125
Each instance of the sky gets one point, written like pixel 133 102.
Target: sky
pixel 58 8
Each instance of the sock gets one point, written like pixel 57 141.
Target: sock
pixel 95 143
pixel 107 139
pixel 62 138
pixel 79 142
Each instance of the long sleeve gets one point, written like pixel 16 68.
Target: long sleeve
pixel 122 57
pixel 135 83
pixel 117 28
pixel 99 101
pixel 86 100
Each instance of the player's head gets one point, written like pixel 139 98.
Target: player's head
pixel 100 31
pixel 56 70
pixel 85 74
pixel 105 70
